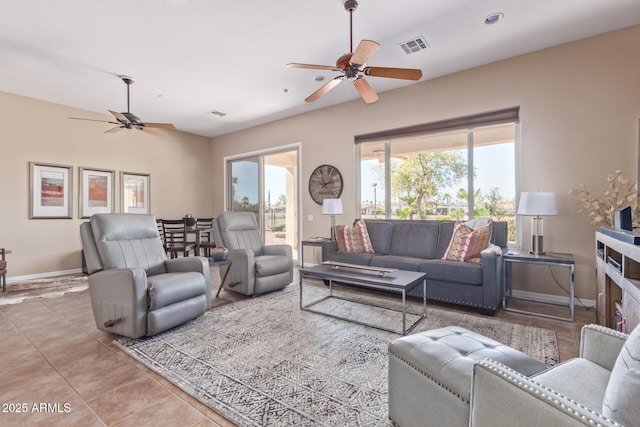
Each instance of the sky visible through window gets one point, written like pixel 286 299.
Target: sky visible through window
pixel 494 168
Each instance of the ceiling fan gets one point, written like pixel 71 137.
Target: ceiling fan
pixel 129 120
pixel 353 66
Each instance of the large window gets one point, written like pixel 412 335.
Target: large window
pixel 463 173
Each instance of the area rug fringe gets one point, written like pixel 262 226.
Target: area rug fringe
pixel 264 362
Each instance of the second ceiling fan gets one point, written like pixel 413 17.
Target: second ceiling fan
pixel 354 68
pixel 128 120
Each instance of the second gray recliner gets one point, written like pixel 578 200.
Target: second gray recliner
pixel 256 268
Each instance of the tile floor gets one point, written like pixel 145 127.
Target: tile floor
pixel 56 368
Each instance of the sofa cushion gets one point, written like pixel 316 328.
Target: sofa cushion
pixel 353 239
pixel 360 258
pixel 414 239
pixel 380 235
pixel 444 237
pixel 397 262
pixel 621 396
pixel 467 243
pixel 452 271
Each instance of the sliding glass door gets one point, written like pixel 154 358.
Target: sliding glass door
pixel 267 185
pixel 245 184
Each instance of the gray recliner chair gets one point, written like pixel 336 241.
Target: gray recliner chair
pixel 255 268
pixel 135 289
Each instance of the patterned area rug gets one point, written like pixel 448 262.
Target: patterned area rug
pixel 264 362
pixel 51 287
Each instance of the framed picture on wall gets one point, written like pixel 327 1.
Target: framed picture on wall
pixel 134 192
pixel 50 188
pixel 96 188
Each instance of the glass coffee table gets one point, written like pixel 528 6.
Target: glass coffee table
pixel 369 277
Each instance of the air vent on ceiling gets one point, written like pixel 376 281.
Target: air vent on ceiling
pixel 217 113
pixel 414 45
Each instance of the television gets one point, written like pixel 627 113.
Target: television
pixel 622 219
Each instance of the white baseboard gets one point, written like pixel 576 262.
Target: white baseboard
pixel 43 275
pixel 551 299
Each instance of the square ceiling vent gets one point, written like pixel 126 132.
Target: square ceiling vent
pixel 414 45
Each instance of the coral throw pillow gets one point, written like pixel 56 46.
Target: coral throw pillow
pixel 353 239
pixel 467 243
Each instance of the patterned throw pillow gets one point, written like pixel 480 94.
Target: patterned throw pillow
pixel 353 239
pixel 467 243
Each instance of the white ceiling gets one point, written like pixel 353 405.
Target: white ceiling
pixel 230 56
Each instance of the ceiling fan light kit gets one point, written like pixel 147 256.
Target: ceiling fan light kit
pixel 353 67
pixel 128 120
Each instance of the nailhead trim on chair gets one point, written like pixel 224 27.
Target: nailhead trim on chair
pixel 552 396
pixel 608 331
pixel 429 377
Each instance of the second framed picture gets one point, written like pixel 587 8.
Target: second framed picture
pixel 97 191
pixel 134 192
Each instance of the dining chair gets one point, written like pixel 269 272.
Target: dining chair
pixel 161 233
pixel 207 241
pixel 175 237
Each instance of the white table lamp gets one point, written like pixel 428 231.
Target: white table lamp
pixel 332 207
pixel 537 204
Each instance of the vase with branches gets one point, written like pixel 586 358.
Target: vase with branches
pixel 601 208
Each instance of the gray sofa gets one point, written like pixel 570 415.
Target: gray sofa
pixel 418 245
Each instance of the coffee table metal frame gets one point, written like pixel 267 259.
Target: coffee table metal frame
pixel 396 280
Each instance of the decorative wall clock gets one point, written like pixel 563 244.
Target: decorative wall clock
pixel 325 183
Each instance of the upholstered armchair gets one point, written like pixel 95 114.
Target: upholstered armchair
pixel 601 387
pixel 135 290
pixel 255 268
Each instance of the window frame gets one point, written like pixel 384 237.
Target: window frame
pixel 509 115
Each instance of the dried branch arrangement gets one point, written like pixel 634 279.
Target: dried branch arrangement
pixel 601 208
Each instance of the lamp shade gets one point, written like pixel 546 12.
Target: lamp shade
pixel 537 203
pixel 332 207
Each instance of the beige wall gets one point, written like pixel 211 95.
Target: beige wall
pixel 32 130
pixel 580 104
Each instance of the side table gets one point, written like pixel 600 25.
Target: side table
pixel 312 241
pixel 226 273
pixel 549 258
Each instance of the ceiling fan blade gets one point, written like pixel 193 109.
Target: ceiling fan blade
pixel 159 125
pixel 394 73
pixel 365 50
pixel 366 91
pixel 94 120
pixel 152 132
pixel 121 117
pixel 324 89
pixel 312 66
pixel 115 129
